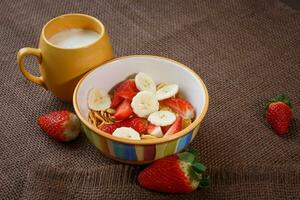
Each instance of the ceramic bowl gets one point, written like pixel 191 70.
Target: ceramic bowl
pixel 160 69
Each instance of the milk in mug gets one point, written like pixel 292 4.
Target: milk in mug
pixel 74 38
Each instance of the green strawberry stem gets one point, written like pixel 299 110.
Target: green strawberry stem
pixel 280 98
pixel 197 169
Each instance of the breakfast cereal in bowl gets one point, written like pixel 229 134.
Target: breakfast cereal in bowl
pixel 140 109
pixel 137 109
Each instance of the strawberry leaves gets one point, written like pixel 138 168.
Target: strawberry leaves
pixel 197 169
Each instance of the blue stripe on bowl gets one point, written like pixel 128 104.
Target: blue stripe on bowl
pixel 124 151
pixel 184 141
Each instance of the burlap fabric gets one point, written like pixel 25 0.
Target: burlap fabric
pixel 245 51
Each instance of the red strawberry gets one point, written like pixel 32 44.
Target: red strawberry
pixel 138 124
pixel 175 127
pixel 110 128
pixel 154 130
pixel 125 90
pixel 181 106
pixel 165 128
pixel 124 110
pixel 116 100
pixel 62 125
pixel 179 173
pixel 279 114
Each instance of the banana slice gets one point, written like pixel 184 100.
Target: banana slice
pixel 144 103
pixel 128 133
pixel 162 118
pixel 144 82
pixel 167 92
pixel 98 100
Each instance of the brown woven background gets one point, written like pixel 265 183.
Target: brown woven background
pixel 245 51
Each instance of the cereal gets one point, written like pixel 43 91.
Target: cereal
pixel 130 108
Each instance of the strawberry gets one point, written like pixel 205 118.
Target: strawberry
pixel 125 90
pixel 179 173
pixel 154 130
pixel 181 106
pixel 279 114
pixel 138 124
pixel 116 100
pixel 62 125
pixel 165 128
pixel 175 127
pixel 124 110
pixel 110 128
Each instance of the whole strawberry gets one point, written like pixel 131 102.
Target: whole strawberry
pixel 62 125
pixel 279 114
pixel 180 173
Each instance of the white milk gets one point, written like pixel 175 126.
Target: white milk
pixel 74 38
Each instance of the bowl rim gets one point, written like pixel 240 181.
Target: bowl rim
pixel 181 133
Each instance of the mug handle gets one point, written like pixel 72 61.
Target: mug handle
pixel 20 58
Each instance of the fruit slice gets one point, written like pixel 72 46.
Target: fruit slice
pixel 116 100
pixel 138 124
pixel 125 90
pixel 181 106
pixel 110 128
pixel 176 127
pixel 154 130
pixel 144 103
pixel 128 133
pixel 167 92
pixel 98 100
pixel 162 118
pixel 144 82
pixel 124 110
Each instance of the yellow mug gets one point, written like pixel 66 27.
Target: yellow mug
pixel 62 68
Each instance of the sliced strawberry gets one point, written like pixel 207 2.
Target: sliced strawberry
pixel 165 128
pixel 116 100
pixel 125 90
pixel 181 106
pixel 176 126
pixel 154 130
pixel 138 124
pixel 124 110
pixel 110 128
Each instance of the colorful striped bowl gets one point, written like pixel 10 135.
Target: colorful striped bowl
pixel 160 69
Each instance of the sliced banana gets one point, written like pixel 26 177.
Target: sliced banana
pixel 162 118
pixel 144 82
pixel 167 92
pixel 128 133
pixel 98 100
pixel 144 103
